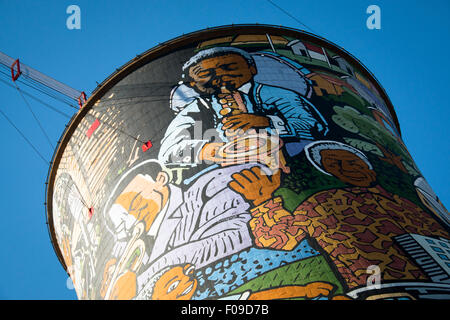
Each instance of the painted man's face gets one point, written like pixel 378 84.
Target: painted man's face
pixel 347 167
pixel 144 197
pixel 222 74
pixel 175 284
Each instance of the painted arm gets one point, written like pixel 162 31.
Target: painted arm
pixel 233 238
pixel 293 115
pixel 274 227
pixel 286 113
pixel 271 224
pixel 180 144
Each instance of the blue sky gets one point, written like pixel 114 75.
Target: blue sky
pixel 409 56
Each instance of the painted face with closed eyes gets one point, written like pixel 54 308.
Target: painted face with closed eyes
pixel 221 74
pixel 347 167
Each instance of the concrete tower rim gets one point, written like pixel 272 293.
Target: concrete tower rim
pixel 168 47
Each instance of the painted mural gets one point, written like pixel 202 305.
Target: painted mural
pixel 271 169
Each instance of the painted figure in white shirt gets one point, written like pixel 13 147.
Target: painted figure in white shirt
pixel 223 99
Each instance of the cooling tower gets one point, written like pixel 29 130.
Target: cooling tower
pixel 244 162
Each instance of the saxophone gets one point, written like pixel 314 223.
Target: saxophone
pixel 263 148
pixel 232 104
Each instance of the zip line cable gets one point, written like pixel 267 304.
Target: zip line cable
pixel 117 129
pixel 44 90
pixel 39 100
pixel 31 85
pixel 36 86
pixel 81 198
pixel 25 138
pixel 78 194
pixel 68 116
pixel 48 86
pixel 287 13
pixel 34 116
pixel 44 80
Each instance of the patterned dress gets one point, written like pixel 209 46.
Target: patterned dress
pixel 354 226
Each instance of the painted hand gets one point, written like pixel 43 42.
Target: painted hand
pixel 316 289
pixel 244 122
pixel 255 185
pixel 311 290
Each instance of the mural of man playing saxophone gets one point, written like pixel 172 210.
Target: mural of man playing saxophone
pixel 230 103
